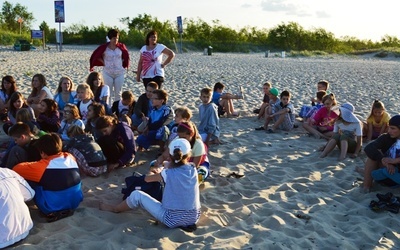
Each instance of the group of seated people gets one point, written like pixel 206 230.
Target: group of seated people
pixel 325 119
pixel 54 140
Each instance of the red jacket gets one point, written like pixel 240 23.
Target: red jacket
pixel 98 54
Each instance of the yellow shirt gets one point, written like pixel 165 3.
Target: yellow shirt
pixel 384 121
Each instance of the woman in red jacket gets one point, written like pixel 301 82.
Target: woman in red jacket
pixel 114 56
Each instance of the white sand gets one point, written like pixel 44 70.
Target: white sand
pixel 284 178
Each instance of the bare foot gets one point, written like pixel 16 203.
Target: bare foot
pixel 341 158
pixel 106 207
pixel 234 114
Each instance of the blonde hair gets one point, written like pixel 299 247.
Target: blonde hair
pixel 75 130
pixel 85 88
pixel 59 88
pixel 184 112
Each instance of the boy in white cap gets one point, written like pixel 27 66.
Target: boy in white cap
pixel 347 133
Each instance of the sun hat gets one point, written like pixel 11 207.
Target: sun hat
pixel 274 92
pixel 395 121
pixel 181 144
pixel 346 111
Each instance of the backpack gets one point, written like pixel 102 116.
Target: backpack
pixel 136 182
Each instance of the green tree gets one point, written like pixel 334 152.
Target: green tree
pixel 46 29
pixel 287 37
pixel 10 14
pixel 390 41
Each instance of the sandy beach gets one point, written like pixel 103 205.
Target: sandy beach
pixel 288 198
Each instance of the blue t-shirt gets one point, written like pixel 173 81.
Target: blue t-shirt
pixel 215 97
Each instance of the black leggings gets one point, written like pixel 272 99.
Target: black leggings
pixel 158 79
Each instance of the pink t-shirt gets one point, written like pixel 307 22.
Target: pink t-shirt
pixel 325 118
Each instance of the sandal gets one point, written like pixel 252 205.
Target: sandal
pixel 260 128
pixel 190 228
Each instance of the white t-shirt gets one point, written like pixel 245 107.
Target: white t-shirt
pixel 105 91
pixel 15 219
pixel 49 95
pixel 354 127
pixel 151 61
pixel 83 109
pixel 122 109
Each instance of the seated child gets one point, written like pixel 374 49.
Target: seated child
pixel 24 150
pixel 123 108
pixel 17 102
pixel 317 105
pixel 347 133
pixel 224 100
pixel 199 158
pixel 49 117
pixel 382 156
pixel 377 121
pixel 161 115
pixel 85 96
pixel 15 219
pixel 180 206
pixel 282 114
pixel 88 153
pixel 321 124
pixel 95 110
pixel 55 178
pixel 261 111
pixel 322 85
pixel 117 142
pixel 143 105
pixel 71 117
pixel 273 98
pixel 182 114
pixel 23 115
pixel 101 91
pixel 209 119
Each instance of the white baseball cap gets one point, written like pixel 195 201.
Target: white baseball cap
pixel 180 143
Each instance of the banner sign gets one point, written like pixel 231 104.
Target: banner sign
pixel 59 11
pixel 36 34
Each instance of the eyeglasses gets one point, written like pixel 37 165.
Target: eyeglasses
pixel 67 112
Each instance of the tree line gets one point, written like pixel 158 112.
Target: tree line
pixel 197 34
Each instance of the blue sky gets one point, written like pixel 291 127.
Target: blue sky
pixel 356 18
